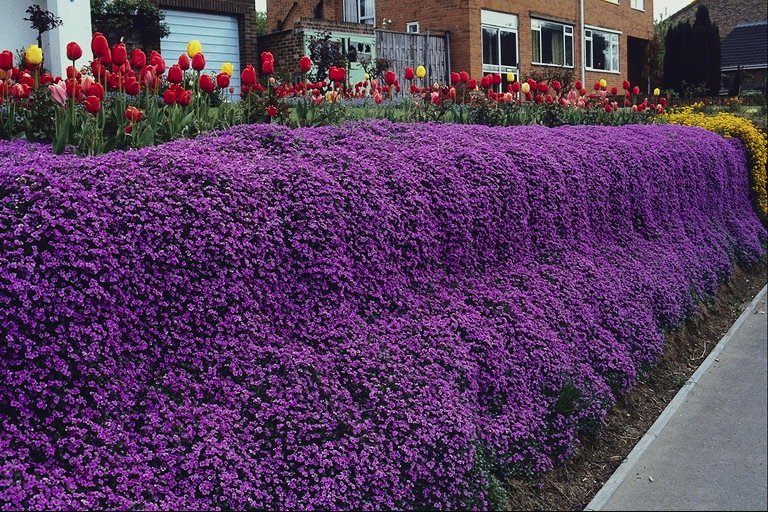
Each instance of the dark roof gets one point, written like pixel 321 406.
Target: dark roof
pixel 746 45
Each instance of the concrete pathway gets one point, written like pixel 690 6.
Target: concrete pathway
pixel 709 448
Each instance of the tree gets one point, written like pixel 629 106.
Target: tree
pixel 705 40
pixel 692 55
pixel 42 21
pixel 134 21
pixel 261 23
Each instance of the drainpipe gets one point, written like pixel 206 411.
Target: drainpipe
pixel 583 43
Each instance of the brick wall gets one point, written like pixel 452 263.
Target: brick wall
pixel 244 10
pixel 726 14
pixel 288 45
pixel 462 19
pixel 285 14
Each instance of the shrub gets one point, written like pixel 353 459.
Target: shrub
pixel 372 316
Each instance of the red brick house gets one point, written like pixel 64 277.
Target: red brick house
pixel 592 38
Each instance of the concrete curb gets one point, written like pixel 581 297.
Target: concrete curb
pixel 621 473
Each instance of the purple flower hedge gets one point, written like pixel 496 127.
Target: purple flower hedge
pixel 374 316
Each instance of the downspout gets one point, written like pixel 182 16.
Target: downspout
pixel 583 43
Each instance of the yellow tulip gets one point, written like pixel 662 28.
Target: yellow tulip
pixel 510 77
pixel 227 68
pixel 194 47
pixel 656 92
pixel 603 83
pixel 525 88
pixel 34 55
pixel 421 72
pixel 366 76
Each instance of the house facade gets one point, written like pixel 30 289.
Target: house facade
pixel 593 39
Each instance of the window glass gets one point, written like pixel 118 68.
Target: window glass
pixel 490 46
pixel 508 48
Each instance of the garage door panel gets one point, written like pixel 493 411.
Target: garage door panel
pixel 219 35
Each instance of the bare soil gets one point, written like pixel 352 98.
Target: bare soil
pixel 573 485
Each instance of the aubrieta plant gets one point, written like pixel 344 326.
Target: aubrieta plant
pixel 372 316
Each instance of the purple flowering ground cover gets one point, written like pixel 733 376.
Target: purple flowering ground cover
pixel 373 316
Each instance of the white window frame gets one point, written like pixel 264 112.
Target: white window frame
pixel 353 8
pixel 614 48
pixel 412 27
pixel 500 22
pixel 638 5
pixel 567 34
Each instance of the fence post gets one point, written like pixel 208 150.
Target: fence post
pixel 427 62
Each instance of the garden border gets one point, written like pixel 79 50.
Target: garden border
pixel 617 478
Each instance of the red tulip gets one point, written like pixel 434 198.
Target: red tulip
pixel 596 86
pixel 73 88
pixel 184 61
pixel 157 60
pixel 72 72
pixel 97 90
pixel 26 79
pixel 128 129
pixel 74 51
pixel 99 45
pixel 267 56
pixel 169 97
pixel 248 76
pixel 556 85
pixel 305 64
pixel 6 60
pixel 471 83
pixel 20 91
pixel 636 90
pixel 268 67
pixel 614 90
pixel 625 85
pixel 390 77
pixel 542 87
pixel 132 86
pixel 663 102
pixel 92 104
pixel 46 79
pixel 271 110
pixel 133 114
pixel 206 83
pixel 222 80
pixel 119 54
pixel 578 85
pixel 515 86
pixel 138 59
pixel 409 74
pixel 184 98
pixel 455 78
pixel 464 76
pixel 175 74
pixel 496 77
pixel 198 62
pixel 533 84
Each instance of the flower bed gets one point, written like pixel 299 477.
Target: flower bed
pixel 373 316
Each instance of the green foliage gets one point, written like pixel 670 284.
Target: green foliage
pixel 135 21
pixel 261 23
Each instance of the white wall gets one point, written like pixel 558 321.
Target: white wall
pixel 76 15
pixel 16 33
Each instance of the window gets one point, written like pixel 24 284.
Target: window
pixel 552 43
pixel 638 4
pixel 602 50
pixel 360 11
pixel 499 40
pixel 412 27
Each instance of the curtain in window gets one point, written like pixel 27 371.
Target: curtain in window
pixel 350 11
pixel 536 46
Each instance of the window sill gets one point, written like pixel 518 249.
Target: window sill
pixel 638 10
pixel 551 65
pixel 603 71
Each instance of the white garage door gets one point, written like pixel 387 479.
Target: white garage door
pixel 218 34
